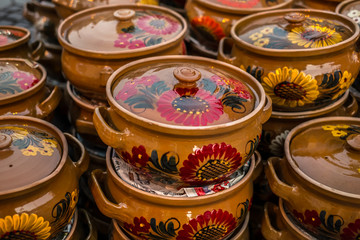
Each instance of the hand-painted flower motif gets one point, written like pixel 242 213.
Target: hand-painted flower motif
pixel 136 44
pixel 256 36
pixel 24 227
pixel 276 146
pixel 314 36
pixel 211 163
pixel 208 27
pixel 344 83
pixel 149 2
pixel 299 216
pixel 342 130
pixel 140 226
pixel 237 86
pixel 139 157
pixel 312 218
pixel 267 30
pixel 25 80
pixel 213 225
pixel 352 231
pixel 3 40
pixel 129 89
pixel 157 24
pixel 289 87
pixel 121 43
pixel 201 108
pixel 262 42
pixel 353 13
pixel 240 3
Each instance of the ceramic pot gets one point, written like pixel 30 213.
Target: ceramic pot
pixel 180 115
pixel 132 206
pixel 83 227
pixel 276 225
pixel 316 4
pixel 41 189
pixel 126 35
pixel 322 197
pixel 298 72
pixel 280 123
pixel 14 42
pixel 65 8
pixel 23 91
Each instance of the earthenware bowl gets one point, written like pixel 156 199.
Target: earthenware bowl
pixel 287 52
pixel 280 123
pixel 23 91
pixel 319 176
pixel 129 32
pixel 146 215
pixel 179 118
pixel 41 189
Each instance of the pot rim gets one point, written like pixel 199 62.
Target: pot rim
pixel 64 146
pixel 186 130
pixel 19 41
pixel 312 113
pixel 176 201
pixel 322 187
pixel 341 5
pixel 117 55
pixel 28 92
pixel 87 106
pixel 296 52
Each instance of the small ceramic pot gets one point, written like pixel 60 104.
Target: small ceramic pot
pixel 41 189
pixel 319 177
pixel 276 225
pixel 127 34
pixel 180 120
pixel 280 123
pixel 170 217
pixel 23 91
pixel 304 59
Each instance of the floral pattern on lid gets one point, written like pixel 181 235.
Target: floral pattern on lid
pixel 8 36
pixel 247 4
pixel 350 9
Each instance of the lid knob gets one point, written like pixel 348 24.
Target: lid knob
pixel 187 75
pixel 5 141
pixel 124 14
pixel 354 141
pixel 294 17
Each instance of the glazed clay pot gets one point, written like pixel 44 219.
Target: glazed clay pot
pixel 41 189
pixel 83 227
pixel 280 123
pixel 126 35
pixel 179 120
pixel 132 206
pixel 298 67
pixel 317 4
pixel 318 179
pixel 23 91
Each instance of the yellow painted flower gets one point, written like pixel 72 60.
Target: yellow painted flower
pixel 30 151
pixel 74 198
pixel 314 36
pixel 289 87
pixel 261 42
pixel 49 143
pixel 329 127
pixel 24 227
pixel 267 30
pixel 344 126
pixel 338 133
pixel 344 84
pixel 46 151
pixel 255 36
pixel 18 132
pixel 149 2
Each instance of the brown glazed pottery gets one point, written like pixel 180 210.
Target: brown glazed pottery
pixel 280 123
pixel 146 215
pixel 179 118
pixel 65 8
pixel 327 5
pixel 23 90
pixel 319 177
pixel 41 189
pixel 99 40
pixel 305 59
pixel 83 227
pixel 276 225
pixel 349 8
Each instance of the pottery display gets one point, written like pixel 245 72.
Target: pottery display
pixel 178 118
pixel 41 189
pixel 319 176
pixel 97 41
pixel 280 123
pixel 305 59
pixel 23 90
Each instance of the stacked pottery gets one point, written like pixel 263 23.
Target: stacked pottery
pixel 176 167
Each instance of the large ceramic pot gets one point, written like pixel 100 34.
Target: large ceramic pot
pixel 304 59
pixel 280 123
pixel 130 32
pixel 213 216
pixel 23 90
pixel 319 177
pixel 179 118
pixel 41 189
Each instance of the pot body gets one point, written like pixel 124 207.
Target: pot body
pixel 83 227
pixel 321 213
pixel 317 4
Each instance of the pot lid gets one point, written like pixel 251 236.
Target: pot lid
pixel 11 36
pixel 350 9
pixel 184 92
pixel 78 5
pixel 121 29
pixel 294 29
pixel 244 5
pixel 327 150
pixel 28 152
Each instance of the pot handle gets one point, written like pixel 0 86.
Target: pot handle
pixel 259 167
pixel 90 223
pixel 29 12
pixel 267 110
pixel 108 135
pixel 37 50
pixel 229 42
pixel 82 164
pixel 267 229
pixel 50 103
pixel 351 106
pixel 105 206
pixel 280 188
pixel 85 127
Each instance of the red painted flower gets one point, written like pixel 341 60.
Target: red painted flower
pixel 238 87
pixel 211 163
pixel 212 225
pixel 125 36
pixel 312 218
pixel 140 226
pixel 136 44
pixel 158 24
pixel 352 231
pixel 121 43
pixel 26 80
pixel 209 28
pixel 217 188
pixel 139 157
pixel 240 3
pixel 299 216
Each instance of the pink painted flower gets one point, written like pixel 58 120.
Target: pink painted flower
pixel 26 80
pixel 129 89
pixel 352 231
pixel 147 80
pixel 121 43
pixel 3 40
pixel 136 44
pixel 201 108
pixel 125 36
pixel 158 24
